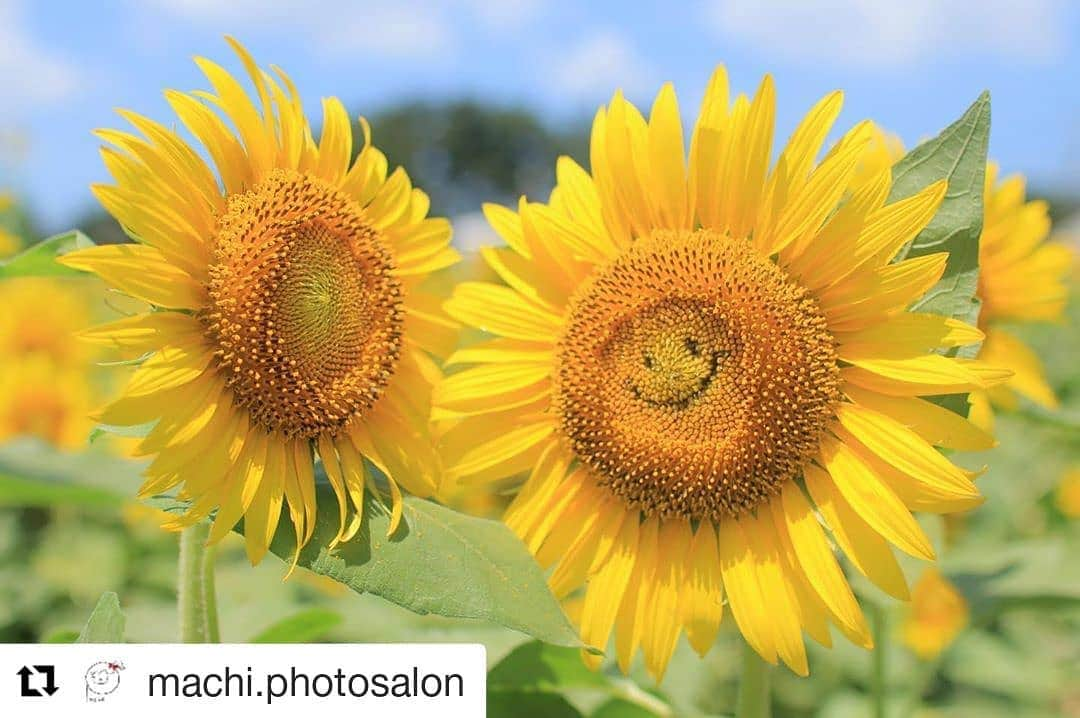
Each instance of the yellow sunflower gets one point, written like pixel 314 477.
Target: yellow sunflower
pixel 44 401
pixel 707 367
pixel 1021 279
pixel 40 318
pixel 935 617
pixel 289 319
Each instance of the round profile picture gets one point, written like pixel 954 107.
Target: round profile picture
pixel 102 678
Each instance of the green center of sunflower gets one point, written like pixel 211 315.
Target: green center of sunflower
pixel 306 313
pixel 694 377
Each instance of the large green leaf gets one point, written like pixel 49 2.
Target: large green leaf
pixel 438 561
pixel 39 260
pixel 958 155
pixel 106 624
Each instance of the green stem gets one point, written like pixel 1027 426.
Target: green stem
pixel 881 647
pixel 213 632
pixel 628 691
pixel 753 686
pixel 195 598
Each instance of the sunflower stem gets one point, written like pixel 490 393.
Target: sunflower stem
pixel 753 686
pixel 196 602
pixel 881 646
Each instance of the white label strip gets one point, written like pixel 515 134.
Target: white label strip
pixel 377 679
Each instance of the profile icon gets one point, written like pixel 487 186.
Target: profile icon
pixel 102 678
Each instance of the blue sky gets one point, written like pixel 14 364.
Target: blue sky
pixel 912 66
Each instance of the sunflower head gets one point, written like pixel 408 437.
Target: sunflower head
pixel 304 305
pixel 708 367
pixel 700 334
pixel 291 321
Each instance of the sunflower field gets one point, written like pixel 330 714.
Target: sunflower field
pixel 706 398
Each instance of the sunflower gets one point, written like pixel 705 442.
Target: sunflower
pixel 1021 280
pixel 704 368
pixel 936 615
pixel 40 319
pixel 44 401
pixel 289 319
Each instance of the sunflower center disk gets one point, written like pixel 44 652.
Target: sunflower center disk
pixel 306 312
pixel 694 377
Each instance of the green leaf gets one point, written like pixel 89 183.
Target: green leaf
pixel 62 636
pixel 618 708
pixel 438 561
pixel 958 155
pixel 34 474
pixel 534 666
pixel 17 491
pixel 530 705
pixel 39 260
pixel 106 624
pixel 1040 574
pixel 304 627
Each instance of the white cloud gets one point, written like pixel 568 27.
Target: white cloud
pixel 893 34
pixel 601 62
pixel 33 74
pixel 385 28
pixel 504 14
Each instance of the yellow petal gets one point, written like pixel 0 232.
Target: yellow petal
pixel 704 605
pixel 875 502
pixel 782 614
pixel 746 599
pixel 140 271
pixel 143 333
pixel 936 424
pixel 815 557
pixel 863 546
pixel 501 310
pixel 666 161
pixel 606 588
pixel 905 335
pixel 901 447
pixel 1029 376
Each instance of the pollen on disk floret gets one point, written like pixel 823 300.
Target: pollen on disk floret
pixel 694 377
pixel 305 311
